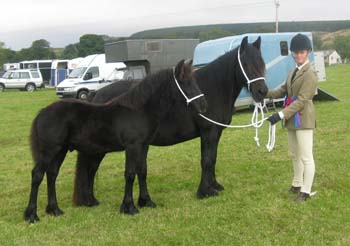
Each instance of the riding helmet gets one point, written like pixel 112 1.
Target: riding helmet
pixel 300 42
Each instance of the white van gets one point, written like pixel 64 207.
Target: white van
pixel 24 79
pixel 91 74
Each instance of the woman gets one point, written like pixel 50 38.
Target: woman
pixel 299 116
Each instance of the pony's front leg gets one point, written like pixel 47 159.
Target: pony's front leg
pixel 133 155
pixel 209 143
pixel 141 170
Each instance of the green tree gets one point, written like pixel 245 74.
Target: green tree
pixel 70 52
pixel 213 34
pixel 6 55
pixel 90 44
pixel 342 46
pixel 39 50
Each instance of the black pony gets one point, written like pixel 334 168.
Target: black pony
pixel 221 81
pixel 128 123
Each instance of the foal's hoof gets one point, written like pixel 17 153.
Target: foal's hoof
pixel 93 202
pixel 218 186
pixel 31 216
pixel 54 210
pixel 128 209
pixel 207 192
pixel 146 203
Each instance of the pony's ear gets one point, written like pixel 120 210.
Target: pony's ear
pixel 189 62
pixel 257 43
pixel 180 70
pixel 244 44
pixel 188 67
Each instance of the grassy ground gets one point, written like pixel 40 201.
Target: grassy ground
pixel 254 209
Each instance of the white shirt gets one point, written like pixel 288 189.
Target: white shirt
pixel 302 65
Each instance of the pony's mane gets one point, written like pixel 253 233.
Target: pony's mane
pixel 138 95
pixel 256 64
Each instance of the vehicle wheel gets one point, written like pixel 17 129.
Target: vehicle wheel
pixel 83 95
pixel 2 87
pixel 30 87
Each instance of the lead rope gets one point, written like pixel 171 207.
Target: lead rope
pixel 256 122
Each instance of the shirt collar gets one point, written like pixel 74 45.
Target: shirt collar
pixel 301 66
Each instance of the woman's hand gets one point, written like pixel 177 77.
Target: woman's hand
pixel 276 117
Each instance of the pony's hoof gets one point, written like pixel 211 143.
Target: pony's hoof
pixel 128 209
pixel 218 186
pixel 94 202
pixel 54 210
pixel 208 192
pixel 146 203
pixel 31 216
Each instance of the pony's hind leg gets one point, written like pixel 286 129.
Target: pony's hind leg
pixel 87 166
pixel 141 171
pixel 30 213
pixel 92 169
pixel 51 174
pixel 133 156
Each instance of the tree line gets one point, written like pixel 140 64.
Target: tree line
pixel 93 44
pixel 41 50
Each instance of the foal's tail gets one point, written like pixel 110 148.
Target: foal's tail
pixel 34 140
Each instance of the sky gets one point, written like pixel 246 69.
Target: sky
pixel 63 22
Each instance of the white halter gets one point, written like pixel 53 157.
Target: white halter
pixel 249 81
pixel 255 122
pixel 188 100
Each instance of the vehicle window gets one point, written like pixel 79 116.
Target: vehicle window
pixel 94 71
pixel 284 48
pixel 24 75
pixel 14 75
pixel 35 74
pixel 6 75
pixel 77 72
pixel 116 75
pixel 138 74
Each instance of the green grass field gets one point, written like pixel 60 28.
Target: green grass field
pixel 254 208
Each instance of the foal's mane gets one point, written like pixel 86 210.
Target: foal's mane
pixel 138 95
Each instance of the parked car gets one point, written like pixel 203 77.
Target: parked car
pixel 24 79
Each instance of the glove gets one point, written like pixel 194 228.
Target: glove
pixel 273 119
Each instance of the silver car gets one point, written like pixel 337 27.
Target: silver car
pixel 24 79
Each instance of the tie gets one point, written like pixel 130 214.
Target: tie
pixel 294 73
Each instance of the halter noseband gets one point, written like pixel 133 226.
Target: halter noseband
pixel 188 100
pixel 249 81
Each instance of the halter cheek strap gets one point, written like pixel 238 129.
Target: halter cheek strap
pixel 188 100
pixel 249 81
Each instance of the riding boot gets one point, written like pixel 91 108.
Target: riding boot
pixel 294 190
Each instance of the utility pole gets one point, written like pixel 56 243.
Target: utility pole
pixel 277 4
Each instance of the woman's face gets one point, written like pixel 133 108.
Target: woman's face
pixel 300 57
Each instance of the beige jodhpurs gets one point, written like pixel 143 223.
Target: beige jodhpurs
pixel 300 143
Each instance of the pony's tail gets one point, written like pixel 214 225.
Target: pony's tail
pixel 80 182
pixel 34 141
